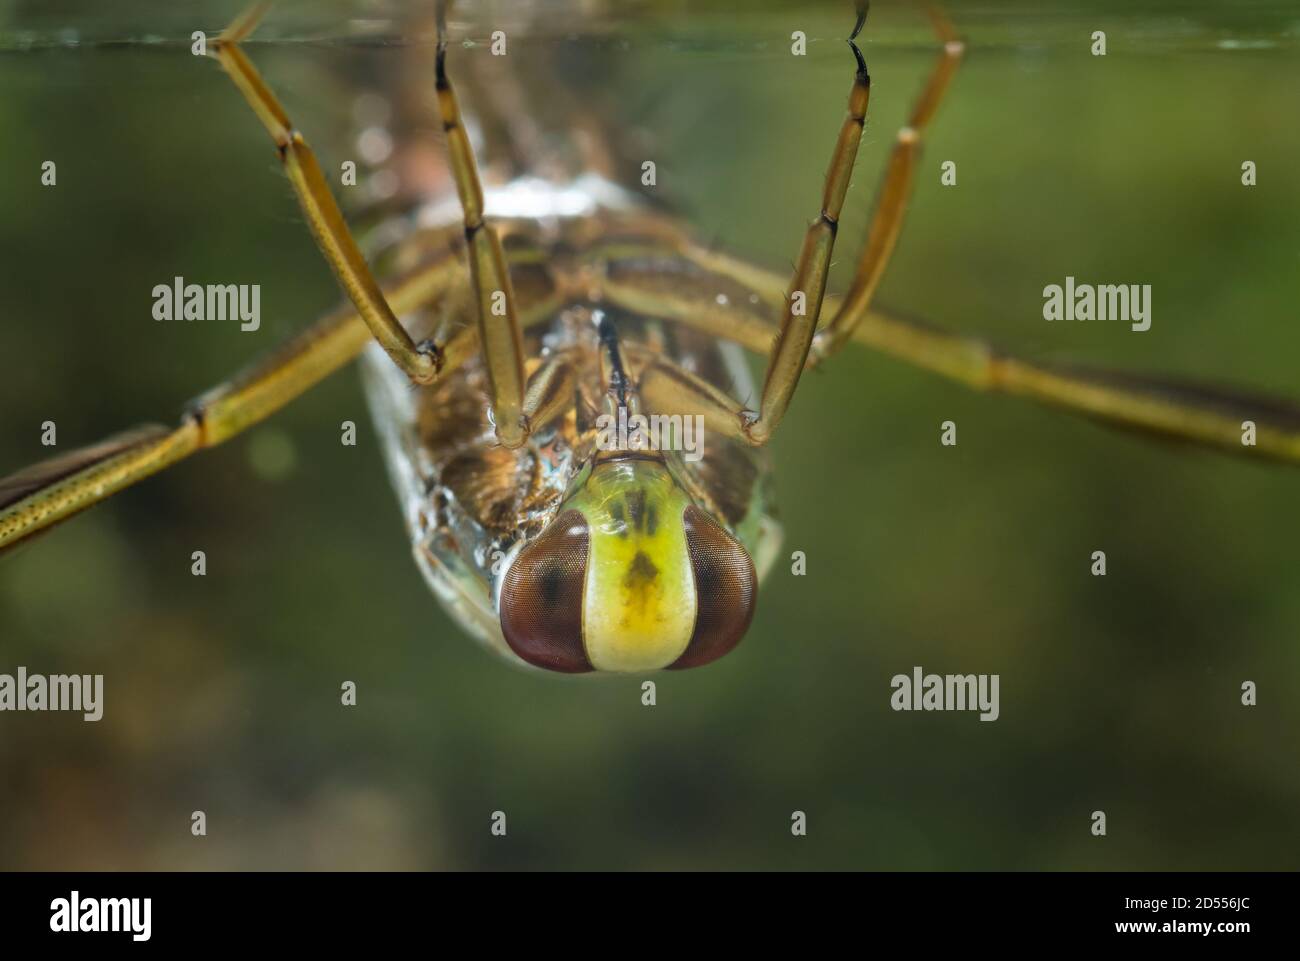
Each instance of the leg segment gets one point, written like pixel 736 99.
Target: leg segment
pixel 667 389
pixel 804 298
pixel 328 227
pixel 498 323
pixel 887 220
pixel 730 299
pixel 672 287
pixel 550 393
pixel 1198 413
pixel 54 490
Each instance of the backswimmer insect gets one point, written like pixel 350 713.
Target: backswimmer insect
pixel 572 306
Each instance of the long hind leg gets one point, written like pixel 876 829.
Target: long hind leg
pixel 52 491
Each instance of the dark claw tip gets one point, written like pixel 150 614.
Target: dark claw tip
pixel 862 64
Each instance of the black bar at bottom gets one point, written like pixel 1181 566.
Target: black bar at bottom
pixel 333 910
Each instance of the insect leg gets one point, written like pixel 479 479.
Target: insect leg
pixel 421 363
pixel 1204 414
pixel 550 392
pixel 663 284
pixel 804 298
pixel 498 323
pixel 895 191
pixel 730 299
pixel 667 389
pixel 886 223
pixel 52 491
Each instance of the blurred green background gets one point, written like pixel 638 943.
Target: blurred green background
pixel 1119 693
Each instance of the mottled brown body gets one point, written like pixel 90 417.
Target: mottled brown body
pixel 470 500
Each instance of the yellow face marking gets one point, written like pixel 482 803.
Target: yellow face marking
pixel 639 599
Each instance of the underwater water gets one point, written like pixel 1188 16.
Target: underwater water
pixel 1120 693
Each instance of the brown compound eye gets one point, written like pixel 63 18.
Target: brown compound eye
pixel 541 599
pixel 726 589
